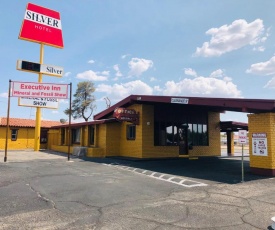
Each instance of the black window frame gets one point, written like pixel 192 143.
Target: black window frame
pixel 63 132
pixel 91 135
pixel 131 132
pixel 12 134
pixel 74 135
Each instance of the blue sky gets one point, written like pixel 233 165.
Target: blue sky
pixel 198 48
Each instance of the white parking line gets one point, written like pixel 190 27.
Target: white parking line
pixel 171 179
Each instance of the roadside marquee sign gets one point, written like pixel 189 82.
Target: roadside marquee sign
pixel 33 89
pixel 42 25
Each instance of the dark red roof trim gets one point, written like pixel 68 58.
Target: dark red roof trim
pixel 103 121
pixel 212 104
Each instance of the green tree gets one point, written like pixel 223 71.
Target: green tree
pixel 83 102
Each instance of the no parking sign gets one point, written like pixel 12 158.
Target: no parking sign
pixel 242 136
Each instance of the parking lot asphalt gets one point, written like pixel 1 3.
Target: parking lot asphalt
pixel 43 190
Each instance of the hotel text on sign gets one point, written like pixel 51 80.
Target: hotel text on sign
pixel 42 25
pixel 33 89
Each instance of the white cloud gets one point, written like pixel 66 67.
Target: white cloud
pixel 91 61
pixel 138 66
pixel 125 55
pixel 118 73
pixel 263 68
pixel 157 89
pixel 67 74
pixel 203 87
pixel 63 101
pixel 217 73
pixel 270 84
pixel 106 73
pixel 231 37
pixel 259 48
pixel 153 79
pixel 190 72
pixel 93 76
pixel 120 91
pixel 5 95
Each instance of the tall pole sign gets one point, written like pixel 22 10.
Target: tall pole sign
pixel 41 25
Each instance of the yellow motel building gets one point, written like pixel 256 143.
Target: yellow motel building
pixel 21 133
pixel 142 126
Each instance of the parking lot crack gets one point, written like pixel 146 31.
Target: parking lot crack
pixel 39 195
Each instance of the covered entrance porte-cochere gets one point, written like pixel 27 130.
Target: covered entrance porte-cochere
pixel 229 127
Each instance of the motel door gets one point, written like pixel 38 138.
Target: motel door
pixel 183 143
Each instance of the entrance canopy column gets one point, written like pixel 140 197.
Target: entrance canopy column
pixel 230 142
pixel 261 143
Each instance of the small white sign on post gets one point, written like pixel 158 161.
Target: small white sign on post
pixel 242 136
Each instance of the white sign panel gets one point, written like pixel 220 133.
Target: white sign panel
pixel 51 103
pixel 51 70
pixel 180 100
pixel 259 144
pixel 33 89
pixel 242 136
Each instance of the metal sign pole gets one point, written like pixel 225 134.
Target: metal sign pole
pixel 242 166
pixel 69 136
pixel 8 123
pixel 38 109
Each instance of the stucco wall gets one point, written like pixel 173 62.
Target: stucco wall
pixel 25 138
pixel 214 148
pixel 131 148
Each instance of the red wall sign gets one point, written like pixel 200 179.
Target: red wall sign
pixel 42 25
pixel 130 115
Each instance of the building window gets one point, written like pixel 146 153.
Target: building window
pixel 166 133
pixel 43 136
pixel 76 136
pixel 198 134
pixel 14 133
pixel 91 135
pixel 131 132
pixel 63 136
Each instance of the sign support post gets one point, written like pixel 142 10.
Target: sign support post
pixel 8 123
pixel 38 109
pixel 242 140
pixel 70 130
pixel 242 166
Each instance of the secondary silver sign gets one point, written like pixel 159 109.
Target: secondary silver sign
pixel 50 70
